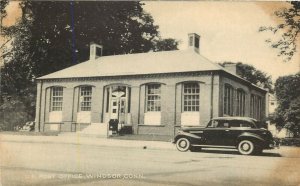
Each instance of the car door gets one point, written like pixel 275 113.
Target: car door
pixel 215 133
pixel 236 128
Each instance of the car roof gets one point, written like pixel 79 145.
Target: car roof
pixel 236 118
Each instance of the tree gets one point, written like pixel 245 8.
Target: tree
pixel 289 30
pixel 166 44
pixel 3 12
pixel 253 75
pixel 287 114
pixel 54 35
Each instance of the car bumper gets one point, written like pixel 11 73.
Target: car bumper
pixel 272 145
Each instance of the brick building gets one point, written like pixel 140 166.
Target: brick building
pixel 151 93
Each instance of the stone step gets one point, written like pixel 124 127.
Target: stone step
pixel 77 134
pixel 95 129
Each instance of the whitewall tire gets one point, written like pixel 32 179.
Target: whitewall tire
pixel 246 147
pixel 183 144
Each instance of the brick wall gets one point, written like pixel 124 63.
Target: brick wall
pixel 171 99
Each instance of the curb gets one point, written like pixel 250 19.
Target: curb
pixel 84 140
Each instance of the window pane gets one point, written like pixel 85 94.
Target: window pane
pixel 56 98
pixel 86 98
pixel 153 97
pixel 191 97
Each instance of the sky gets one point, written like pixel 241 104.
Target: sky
pixel 228 30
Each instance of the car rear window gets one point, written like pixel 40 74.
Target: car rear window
pixel 241 123
pixel 230 124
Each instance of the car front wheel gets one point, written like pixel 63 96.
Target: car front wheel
pixel 246 147
pixel 183 144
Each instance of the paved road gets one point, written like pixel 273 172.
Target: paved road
pixel 69 164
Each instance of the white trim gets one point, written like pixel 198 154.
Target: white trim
pixel 152 118
pixel 190 118
pixel 83 117
pixel 55 116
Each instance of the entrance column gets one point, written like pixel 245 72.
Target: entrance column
pixel 109 102
pixel 96 111
pixel 126 105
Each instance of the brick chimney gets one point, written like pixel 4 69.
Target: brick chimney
pixel 194 42
pixel 231 67
pixel 95 51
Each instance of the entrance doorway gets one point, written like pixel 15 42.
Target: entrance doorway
pixel 118 107
pixel 118 103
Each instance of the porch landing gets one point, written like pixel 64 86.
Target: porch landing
pixel 93 130
pixel 143 137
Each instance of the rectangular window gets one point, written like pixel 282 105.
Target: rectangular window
pixel 256 107
pixel 85 98
pixel 252 106
pixel 228 100
pixel 259 108
pixel 240 106
pixel 56 98
pixel 153 98
pixel 191 97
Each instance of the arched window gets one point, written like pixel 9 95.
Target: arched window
pixel 228 100
pixel 153 98
pixel 240 105
pixel 191 97
pixel 85 98
pixel 56 98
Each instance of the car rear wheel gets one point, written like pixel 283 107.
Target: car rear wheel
pixel 183 144
pixel 246 147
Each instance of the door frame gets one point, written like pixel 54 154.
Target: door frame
pixel 109 89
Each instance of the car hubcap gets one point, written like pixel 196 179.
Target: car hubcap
pixel 182 144
pixel 245 147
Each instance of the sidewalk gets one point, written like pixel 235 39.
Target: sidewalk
pixel 83 140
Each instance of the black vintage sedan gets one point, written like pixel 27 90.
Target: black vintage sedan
pixel 239 133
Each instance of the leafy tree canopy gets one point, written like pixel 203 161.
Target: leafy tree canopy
pixel 289 27
pixel 52 35
pixel 3 13
pixel 253 75
pixel 287 90
pixel 166 44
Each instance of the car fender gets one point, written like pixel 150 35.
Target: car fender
pixel 190 136
pixel 250 136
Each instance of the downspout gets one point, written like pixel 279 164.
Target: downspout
pixel 175 110
pixel 72 116
pixel 211 95
pixel 139 110
pixel 40 106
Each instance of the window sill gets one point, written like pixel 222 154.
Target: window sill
pixel 143 125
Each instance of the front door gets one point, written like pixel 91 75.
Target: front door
pixel 114 108
pixel 118 103
pixel 122 110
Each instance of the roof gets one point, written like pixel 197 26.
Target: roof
pixel 175 61
pixel 138 64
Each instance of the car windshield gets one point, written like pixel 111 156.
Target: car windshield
pixel 231 124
